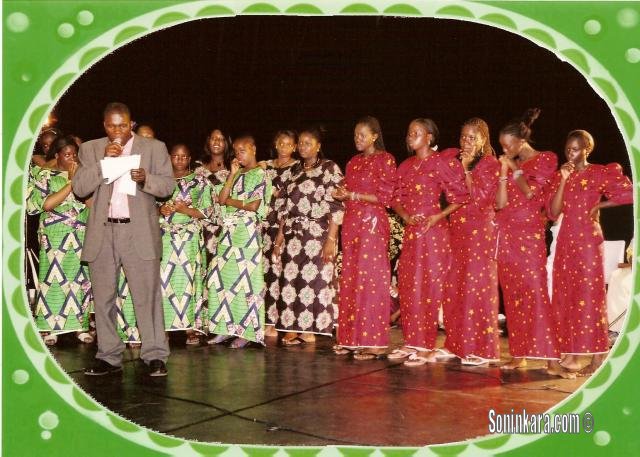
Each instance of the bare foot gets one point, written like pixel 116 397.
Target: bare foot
pixel 340 350
pixel 192 338
pixel 401 353
pixel 555 369
pixel 516 362
pixel 289 336
pixel 308 337
pixel 570 363
pixel 270 331
pixel 420 358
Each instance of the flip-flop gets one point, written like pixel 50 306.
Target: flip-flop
pixel 443 354
pixel 192 340
pixel 474 360
pixel 341 350
pixel 239 343
pixel 416 360
pixel 400 354
pixel 51 339
pixel 297 341
pixel 367 356
pixel 85 337
pixel 219 339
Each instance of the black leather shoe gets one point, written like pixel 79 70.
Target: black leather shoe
pixel 101 368
pixel 157 368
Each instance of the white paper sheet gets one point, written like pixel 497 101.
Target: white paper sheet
pixel 117 170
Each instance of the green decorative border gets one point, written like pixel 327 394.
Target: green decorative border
pixel 30 372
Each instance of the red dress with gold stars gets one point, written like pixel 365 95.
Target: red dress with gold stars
pixel 578 272
pixel 522 257
pixel 426 254
pixel 471 298
pixel 365 279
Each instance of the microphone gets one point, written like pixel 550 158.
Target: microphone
pixel 117 141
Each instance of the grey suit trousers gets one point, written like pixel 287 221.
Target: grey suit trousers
pixel 143 277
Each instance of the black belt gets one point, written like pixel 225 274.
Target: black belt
pixel 116 220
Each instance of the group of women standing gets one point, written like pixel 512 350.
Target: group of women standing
pixel 489 234
pixel 250 247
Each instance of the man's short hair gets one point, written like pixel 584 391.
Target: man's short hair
pixel 116 107
pixel 245 136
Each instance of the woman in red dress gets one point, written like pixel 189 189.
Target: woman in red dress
pixel 578 272
pixel 426 253
pixel 525 175
pixel 471 298
pixel 370 178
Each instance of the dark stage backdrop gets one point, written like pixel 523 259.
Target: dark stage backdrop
pixel 261 74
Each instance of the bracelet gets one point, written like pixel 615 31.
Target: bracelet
pixel 467 172
pixel 331 238
pixel 503 178
pixel 517 173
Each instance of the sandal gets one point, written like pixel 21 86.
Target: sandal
pixel 85 337
pixel 297 341
pixel 219 339
pixel 400 354
pixel 310 338
pixel 443 354
pixel 50 339
pixel 474 360
pixel 341 350
pixel 365 355
pixel 192 340
pixel 416 360
pixel 239 343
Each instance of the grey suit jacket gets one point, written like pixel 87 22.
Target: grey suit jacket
pixel 142 207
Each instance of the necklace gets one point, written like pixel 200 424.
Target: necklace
pixel 309 167
pixel 421 161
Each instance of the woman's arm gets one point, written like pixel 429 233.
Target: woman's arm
pixel 557 203
pixel 329 248
pixel 54 200
pixel 502 197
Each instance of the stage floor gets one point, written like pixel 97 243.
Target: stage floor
pixel 306 395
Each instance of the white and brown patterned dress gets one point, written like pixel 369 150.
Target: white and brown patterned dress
pixel 280 177
pixel 307 285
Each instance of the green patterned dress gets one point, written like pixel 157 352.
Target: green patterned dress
pixel 64 291
pixel 182 272
pixel 235 280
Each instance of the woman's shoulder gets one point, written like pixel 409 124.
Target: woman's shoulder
pixel 45 173
pixel 488 165
pixel 258 172
pixel 548 158
pixel 406 163
pixel 612 168
pixel 449 153
pixel 328 164
pixel 267 164
pixel 386 155
pixel 385 159
pixel 202 171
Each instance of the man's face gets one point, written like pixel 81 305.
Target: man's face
pixel 244 150
pixel 117 125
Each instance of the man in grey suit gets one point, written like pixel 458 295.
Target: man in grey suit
pixel 123 231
